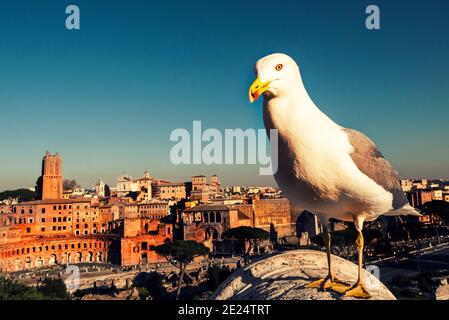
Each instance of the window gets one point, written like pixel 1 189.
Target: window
pixel 28 230
pixel 54 207
pixel 54 219
pixel 54 228
pixel 43 219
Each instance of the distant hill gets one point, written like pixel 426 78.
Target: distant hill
pixel 22 194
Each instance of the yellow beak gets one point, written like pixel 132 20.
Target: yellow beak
pixel 257 89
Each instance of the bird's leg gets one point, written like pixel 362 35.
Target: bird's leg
pixel 330 282
pixel 359 290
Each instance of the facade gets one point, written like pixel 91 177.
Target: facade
pixel 63 231
pixel 50 182
pixel 141 234
pixel 165 190
pixel 272 215
pixel 205 223
pixel 202 191
pixel 100 188
pixel 418 198
pixel 125 185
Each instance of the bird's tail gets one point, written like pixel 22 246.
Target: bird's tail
pixel 406 210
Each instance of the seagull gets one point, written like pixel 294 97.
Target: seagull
pixel 332 171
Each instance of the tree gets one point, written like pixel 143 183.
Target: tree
pixel 107 191
pixel 217 275
pixel 54 289
pixel 180 253
pixel 50 289
pixel 12 290
pixel 22 194
pixel 249 236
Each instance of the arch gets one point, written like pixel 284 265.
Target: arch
pixel 99 256
pixel 52 260
pixel 211 234
pixel 28 263
pixel 78 257
pixel 144 258
pixel 146 228
pixel 67 257
pixel 39 262
pixel 17 264
pixel 218 217
pixel 90 257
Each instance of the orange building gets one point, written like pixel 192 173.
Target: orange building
pixel 50 183
pixel 63 231
pixel 205 223
pixel 272 215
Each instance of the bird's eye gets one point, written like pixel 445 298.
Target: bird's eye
pixel 279 67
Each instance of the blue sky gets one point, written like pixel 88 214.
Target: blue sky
pixel 107 96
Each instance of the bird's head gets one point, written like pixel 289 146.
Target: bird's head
pixel 276 75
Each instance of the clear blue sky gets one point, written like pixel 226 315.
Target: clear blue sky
pixel 107 96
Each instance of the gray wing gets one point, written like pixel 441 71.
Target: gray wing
pixel 371 162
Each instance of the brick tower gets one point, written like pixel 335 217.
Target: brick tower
pixel 51 179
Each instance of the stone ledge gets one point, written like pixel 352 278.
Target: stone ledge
pixel 283 277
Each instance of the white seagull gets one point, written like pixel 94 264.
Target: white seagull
pixel 332 171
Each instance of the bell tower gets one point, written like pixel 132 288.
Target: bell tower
pixel 51 178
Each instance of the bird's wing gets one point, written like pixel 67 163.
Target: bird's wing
pixel 371 162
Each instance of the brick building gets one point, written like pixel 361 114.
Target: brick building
pixel 272 215
pixel 62 231
pixel 205 223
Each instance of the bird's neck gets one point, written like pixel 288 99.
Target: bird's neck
pixel 295 111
